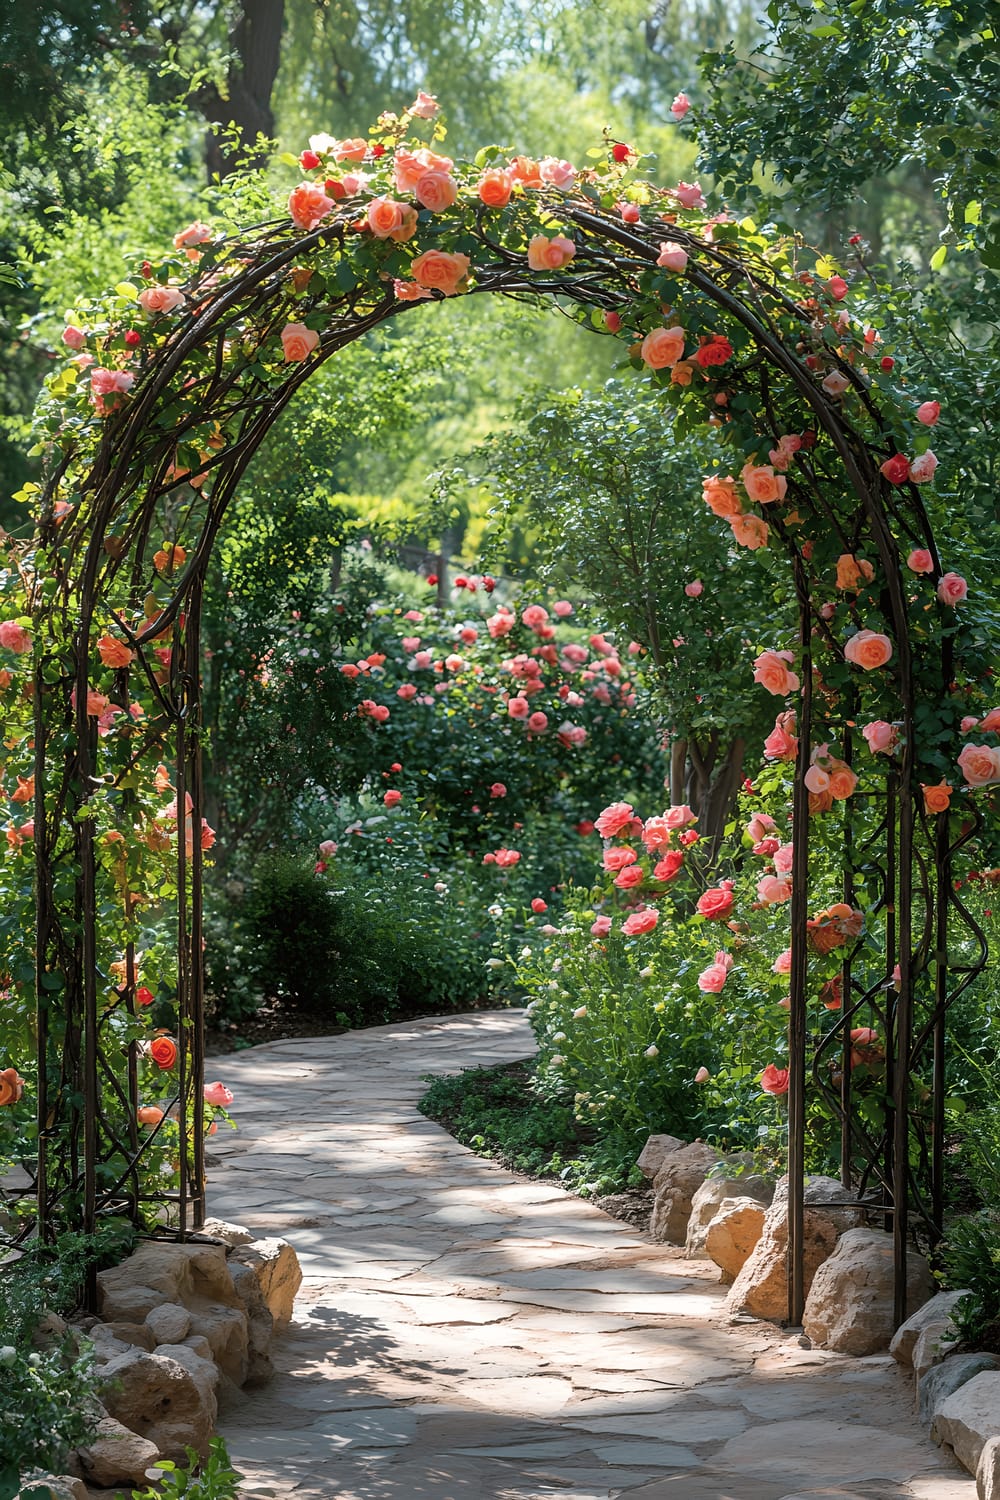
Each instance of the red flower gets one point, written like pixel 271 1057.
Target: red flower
pixel 620 152
pixel 143 996
pixel 774 1080
pixel 432 579
pixel 715 903
pixel 716 352
pixel 896 469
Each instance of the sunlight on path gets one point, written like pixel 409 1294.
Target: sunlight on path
pixel 464 1334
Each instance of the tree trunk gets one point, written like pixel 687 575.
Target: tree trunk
pixel 255 41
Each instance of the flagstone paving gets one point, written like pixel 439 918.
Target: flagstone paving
pixel 464 1334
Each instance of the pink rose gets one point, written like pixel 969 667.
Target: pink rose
pixel 640 922
pixel 107 382
pixel 771 671
pixel 716 902
pixel 328 848
pixel 409 166
pixel 868 649
pixel 922 468
pixel 702 1075
pixel 560 174
pixel 217 1093
pixel 546 254
pixel 424 106
pixel 161 299
pixel 298 342
pixel 74 338
pixel 406 691
pixel 689 195
pixel 774 1080
pixel 952 588
pixel 762 484
pixel 517 708
pixel 783 856
pixel 507 857
pixel 600 927
pixel 817 780
pixel 662 347
pixel 712 979
pixel 920 561
pixel 783 963
pixel 772 891
pixel 781 743
pixel 694 588
pixel 759 826
pixel 896 469
pixel 614 819
pixel 679 816
pixel 968 723
pixel 562 608
pixel 14 637
pixel 680 106
pixel 534 616
pixel 766 847
pixel 979 764
pixel 538 722
pixel 882 737
pixel 617 858
pixel 436 191
pixel 672 257
pixel 629 877
pixel 835 384
pixel 392 798
pixel 928 413
pixel 498 789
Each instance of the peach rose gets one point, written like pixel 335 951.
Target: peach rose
pixel 424 106
pixel 671 257
pixel 762 484
pixel 298 342
pixel 161 299
pixel 148 1114
pixel 557 173
pixel 409 166
pixel 771 671
pixel 750 531
pixel 195 234
pixel 979 764
pixel 842 781
pixel 385 217
pixel 526 172
pixel 937 799
pixel 991 723
pixel 850 571
pixel 952 588
pixel 682 372
pixel 409 291
pixel 772 890
pixel 882 737
pixel 11 1086
pixel 308 205
pixel 113 653
pixel 782 743
pixel 662 347
pixel 495 187
pixel 436 191
pixel 441 270
pixel 817 780
pixel 920 561
pixel 720 495
pixel 868 649
pixel 546 254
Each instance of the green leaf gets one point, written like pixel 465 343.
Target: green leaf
pixel 939 257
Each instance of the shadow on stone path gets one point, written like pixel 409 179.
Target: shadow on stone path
pixel 463 1334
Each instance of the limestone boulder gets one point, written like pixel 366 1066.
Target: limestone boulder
pixel 52 1487
pixel 943 1380
pixel 936 1342
pixel 260 1323
pixel 933 1311
pixel 674 1187
pixel 203 1371
pixel 229 1234
pixel 761 1287
pixel 655 1152
pixel 117 1456
pixel 276 1266
pixel 988 1471
pixel 709 1199
pixel 159 1399
pixel 850 1303
pixel 734 1233
pixel 821 1194
pixel 192 1275
pixel 969 1418
pixel 168 1323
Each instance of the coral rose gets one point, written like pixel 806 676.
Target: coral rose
pixel 617 858
pixel 495 187
pixel 161 299
pixel 896 469
pixel 750 531
pixel 868 649
pixel 630 877
pixel 716 351
pixel 669 866
pixel 979 765
pixel 614 818
pixel 113 653
pixel 298 342
pixel 546 254
pixel 762 484
pixel 781 743
pixel 937 799
pixel 952 588
pixel 217 1094
pixel 392 798
pixel 538 722
pixel 679 816
pixel 195 234
pixel 771 671
pixel 441 270
pixel 498 789
pixel 679 109
pixel 640 922
pixel 920 561
pixel 308 205
pixel 11 1086
pixel 600 927
pixel 662 347
pixel 774 1080
pixel 715 903
pixel 928 413
pixel 672 257
pixel 436 191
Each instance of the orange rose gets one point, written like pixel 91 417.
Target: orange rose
pixel 410 166
pixel 308 205
pixel 495 188
pixel 720 495
pixel 662 347
pixel 385 217
pixel 436 191
pixel 298 342
pixel 11 1086
pixel 774 1080
pixel 850 571
pixel 937 799
pixel 546 254
pixel 842 781
pixel 750 531
pixel 113 653
pixel 441 270
pixel 163 1051
pixel 526 172
pixel 868 649
pixel 148 1114
pixel 170 557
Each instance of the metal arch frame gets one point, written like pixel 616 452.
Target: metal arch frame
pixel 77 1136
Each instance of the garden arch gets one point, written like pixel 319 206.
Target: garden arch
pixel 147 429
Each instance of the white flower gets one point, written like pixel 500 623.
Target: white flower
pixel 8 1355
pixel 557 1061
pixel 439 885
pixel 560 1036
pixel 321 143
pixel 651 1051
pixel 526 952
pixel 494 910
pixel 494 963
pixel 531 1007
pixel 556 965
pixel 553 984
pixel 579 1013
pixel 646 973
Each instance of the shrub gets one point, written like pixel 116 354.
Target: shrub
pixel 970 1258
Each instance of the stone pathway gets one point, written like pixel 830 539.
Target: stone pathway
pixel 463 1334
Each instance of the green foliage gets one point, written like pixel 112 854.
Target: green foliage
pixel 213 1479
pixel 970 1257
pixel 509 1114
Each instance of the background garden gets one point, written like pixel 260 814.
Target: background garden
pixel 479 668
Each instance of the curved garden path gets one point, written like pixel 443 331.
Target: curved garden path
pixel 464 1334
